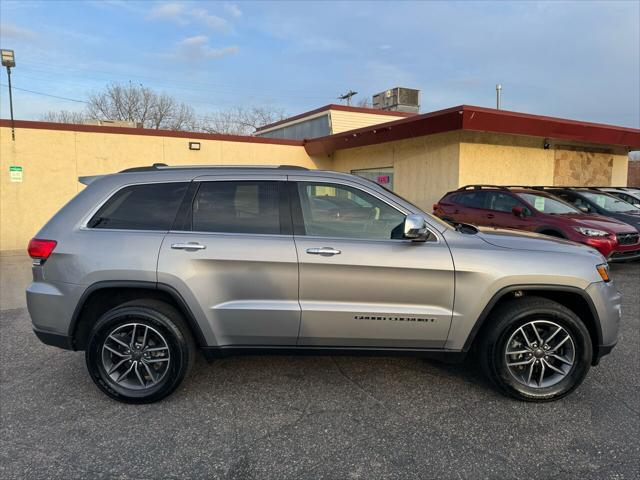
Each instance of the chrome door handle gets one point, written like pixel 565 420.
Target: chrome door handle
pixel 324 251
pixel 188 246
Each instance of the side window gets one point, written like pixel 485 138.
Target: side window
pixel 141 207
pixel 576 201
pixel 330 210
pixel 473 199
pixel 502 202
pixel 237 207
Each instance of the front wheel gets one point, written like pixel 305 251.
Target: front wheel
pixel 139 352
pixel 536 349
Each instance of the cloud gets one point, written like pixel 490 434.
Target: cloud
pixel 169 11
pixel 212 21
pixel 197 48
pixel 233 10
pixel 183 14
pixel 13 32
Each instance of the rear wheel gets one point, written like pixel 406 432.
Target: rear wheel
pixel 140 352
pixel 536 349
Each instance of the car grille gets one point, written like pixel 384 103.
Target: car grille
pixel 628 238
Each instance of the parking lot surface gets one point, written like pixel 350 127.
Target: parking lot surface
pixel 312 416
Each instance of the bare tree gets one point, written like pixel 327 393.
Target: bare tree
pixel 64 116
pixel 240 121
pixel 364 102
pixel 140 104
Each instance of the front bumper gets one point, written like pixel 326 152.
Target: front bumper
pixel 607 302
pixel 601 351
pixel 623 256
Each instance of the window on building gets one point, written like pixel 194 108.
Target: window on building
pixel 237 207
pixel 141 207
pixel 330 210
pixel 382 176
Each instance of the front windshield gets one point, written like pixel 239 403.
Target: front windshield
pixel 609 202
pixel 545 204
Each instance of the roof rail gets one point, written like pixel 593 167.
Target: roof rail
pixel 164 166
pixel 480 187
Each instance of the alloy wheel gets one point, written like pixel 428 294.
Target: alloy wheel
pixel 135 356
pixel 540 354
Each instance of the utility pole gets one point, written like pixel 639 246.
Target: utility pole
pixel 347 96
pixel 498 95
pixel 9 60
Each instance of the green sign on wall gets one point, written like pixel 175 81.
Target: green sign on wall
pixel 15 173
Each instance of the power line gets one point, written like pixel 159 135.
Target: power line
pixel 46 94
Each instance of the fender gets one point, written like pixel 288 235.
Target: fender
pixel 529 287
pixel 175 295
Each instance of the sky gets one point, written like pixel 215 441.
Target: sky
pixel 578 60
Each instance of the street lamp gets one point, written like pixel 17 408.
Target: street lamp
pixel 9 60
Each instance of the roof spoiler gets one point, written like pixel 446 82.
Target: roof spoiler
pixel 89 179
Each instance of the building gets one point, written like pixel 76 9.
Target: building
pixel 328 120
pixel 419 156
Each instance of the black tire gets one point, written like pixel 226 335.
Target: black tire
pixel 166 323
pixel 506 321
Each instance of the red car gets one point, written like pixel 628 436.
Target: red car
pixel 541 212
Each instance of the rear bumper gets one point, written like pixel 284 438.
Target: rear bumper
pixel 54 339
pixel 51 306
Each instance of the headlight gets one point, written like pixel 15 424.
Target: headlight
pixel 592 232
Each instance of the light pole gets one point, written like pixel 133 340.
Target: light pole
pixel 498 93
pixel 9 60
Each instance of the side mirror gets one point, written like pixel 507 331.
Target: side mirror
pixel 415 228
pixel 583 209
pixel 518 212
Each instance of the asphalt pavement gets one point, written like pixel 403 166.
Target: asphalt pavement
pixel 312 417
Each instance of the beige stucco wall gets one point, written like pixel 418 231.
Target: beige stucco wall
pixel 498 159
pixel 53 160
pixel 424 167
pixel 342 121
pixel 620 170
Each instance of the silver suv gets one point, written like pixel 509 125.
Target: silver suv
pixel 144 267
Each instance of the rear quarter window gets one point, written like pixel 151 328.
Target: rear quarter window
pixel 150 206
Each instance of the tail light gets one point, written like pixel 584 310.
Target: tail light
pixel 436 206
pixel 40 249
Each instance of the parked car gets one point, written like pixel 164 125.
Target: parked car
pixel 539 211
pixel 146 266
pixel 629 195
pixel 599 203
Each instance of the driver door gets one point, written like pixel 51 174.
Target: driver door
pixel 359 287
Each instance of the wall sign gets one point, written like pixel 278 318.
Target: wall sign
pixel 15 174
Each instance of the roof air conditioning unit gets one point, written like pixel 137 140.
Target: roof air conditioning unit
pixel 398 99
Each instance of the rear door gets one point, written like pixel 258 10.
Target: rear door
pixel 361 285
pixel 232 257
pixel 500 204
pixel 473 208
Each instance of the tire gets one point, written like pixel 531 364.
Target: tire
pixel 529 381
pixel 154 373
